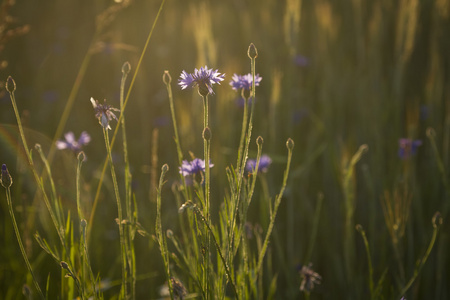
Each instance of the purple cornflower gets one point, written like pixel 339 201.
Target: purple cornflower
pixel 407 147
pixel 203 79
pixel 193 167
pixel 71 143
pixel 103 112
pixel 244 81
pixel 264 163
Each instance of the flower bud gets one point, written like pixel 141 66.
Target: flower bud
pixel 165 168
pixel 126 68
pixel 259 141
pixel 207 134
pixel 290 144
pixel 252 52
pixel 6 179
pixel 167 79
pixel 437 220
pixel 10 84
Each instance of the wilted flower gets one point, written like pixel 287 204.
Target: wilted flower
pixel 179 290
pixel 203 79
pixel 193 167
pixel 244 81
pixel 71 143
pixel 103 112
pixel 309 278
pixel 407 147
pixel 264 163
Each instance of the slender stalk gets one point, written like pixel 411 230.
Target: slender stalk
pixel 167 81
pixel 244 128
pixel 290 146
pixel 19 240
pixel 159 233
pixel 11 86
pixel 128 193
pixel 141 58
pixel 360 229
pixel 119 210
pixel 437 222
pixel 219 252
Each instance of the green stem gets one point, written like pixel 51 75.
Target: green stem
pixel 437 222
pixel 19 240
pixel 369 260
pixel 159 233
pixel 206 144
pixel 275 209
pixel 141 58
pixel 119 210
pixel 222 258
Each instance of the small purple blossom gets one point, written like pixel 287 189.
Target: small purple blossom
pixel 264 163
pixel 193 167
pixel 301 61
pixel 73 144
pixel 244 81
pixel 103 112
pixel 407 147
pixel 203 79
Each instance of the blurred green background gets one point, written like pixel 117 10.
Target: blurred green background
pixel 336 75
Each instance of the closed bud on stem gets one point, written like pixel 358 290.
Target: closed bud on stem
pixel 290 144
pixel 167 79
pixel 83 223
pixel 431 132
pixel 359 228
pixel 207 134
pixel 252 51
pixel 10 84
pixel 6 179
pixel 437 220
pixel 81 156
pixel 64 265
pixel 165 168
pixel 259 141
pixel 169 234
pixel 126 68
pixel 38 147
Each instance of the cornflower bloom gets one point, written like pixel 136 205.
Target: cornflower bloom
pixel 103 112
pixel 203 79
pixel 193 167
pixel 244 81
pixel 309 278
pixel 407 147
pixel 71 143
pixel 264 163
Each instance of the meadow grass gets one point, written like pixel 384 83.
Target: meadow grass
pixel 197 190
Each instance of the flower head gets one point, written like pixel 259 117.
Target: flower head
pixel 264 163
pixel 103 112
pixel 203 79
pixel 407 147
pixel 309 278
pixel 244 81
pixel 193 167
pixel 73 144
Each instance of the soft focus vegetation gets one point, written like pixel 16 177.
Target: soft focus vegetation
pixel 345 80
